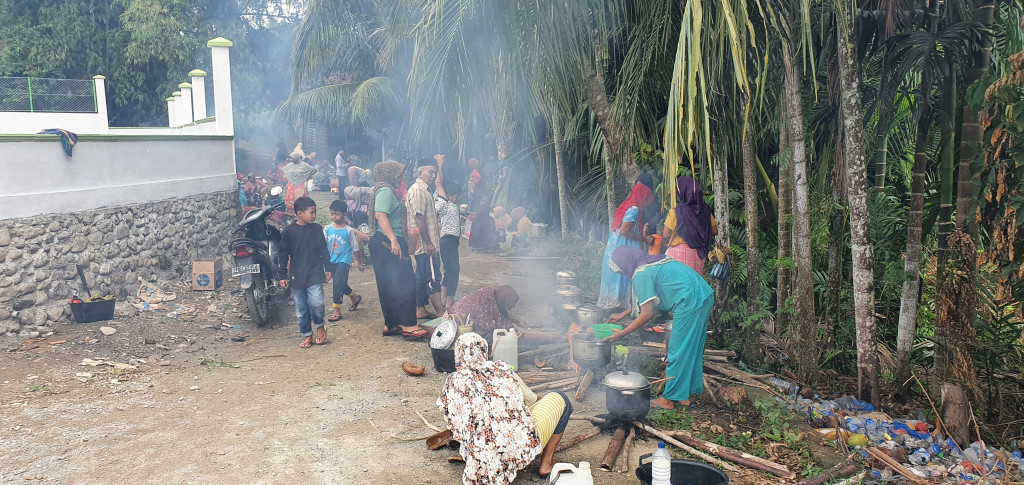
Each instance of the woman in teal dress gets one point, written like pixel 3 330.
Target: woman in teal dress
pixel 627 231
pixel 664 284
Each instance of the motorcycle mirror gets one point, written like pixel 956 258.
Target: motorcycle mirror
pixel 277 190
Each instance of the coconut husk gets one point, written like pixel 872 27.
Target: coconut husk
pixel 412 369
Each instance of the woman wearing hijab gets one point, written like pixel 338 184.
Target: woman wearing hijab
pixel 486 407
pixel 627 230
pixel 396 284
pixel 522 224
pixel 297 173
pixel 664 284
pixel 690 226
pixel 488 308
pixel 483 236
pixel 501 221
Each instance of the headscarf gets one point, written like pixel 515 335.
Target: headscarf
pixel 483 234
pixel 506 298
pixel 386 174
pixel 641 197
pixel 501 219
pixel 693 216
pixel 625 260
pixel 647 180
pixel 517 213
pixel 484 407
pixel 353 174
pixel 297 172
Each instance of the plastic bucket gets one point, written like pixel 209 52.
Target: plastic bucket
pixel 93 311
pixel 604 330
pixel 444 360
pixel 684 471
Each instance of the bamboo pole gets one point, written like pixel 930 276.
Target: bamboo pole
pixel 614 447
pixel 683 446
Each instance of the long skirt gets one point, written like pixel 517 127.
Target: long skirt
pixel 686 352
pixel 616 289
pixel 685 254
pixel 396 284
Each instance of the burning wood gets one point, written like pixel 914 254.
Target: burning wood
pixel 584 384
pixel 736 456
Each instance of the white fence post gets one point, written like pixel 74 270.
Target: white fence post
pixel 198 93
pixel 99 85
pixel 178 116
pixel 171 115
pixel 186 103
pixel 222 85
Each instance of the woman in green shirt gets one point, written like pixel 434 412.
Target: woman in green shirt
pixel 392 265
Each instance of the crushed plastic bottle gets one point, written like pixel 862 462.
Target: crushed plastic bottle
pixel 920 457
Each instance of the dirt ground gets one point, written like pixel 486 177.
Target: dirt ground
pixel 195 405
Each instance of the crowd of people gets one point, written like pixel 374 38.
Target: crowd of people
pixel 412 232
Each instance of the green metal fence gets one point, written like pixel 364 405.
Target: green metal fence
pixel 47 95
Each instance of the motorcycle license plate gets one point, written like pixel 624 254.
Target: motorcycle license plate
pixel 247 269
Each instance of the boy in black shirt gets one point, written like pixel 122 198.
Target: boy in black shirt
pixel 304 245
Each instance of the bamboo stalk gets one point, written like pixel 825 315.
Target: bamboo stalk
pixel 614 447
pixel 624 457
pixel 582 389
pixel 683 446
pixel 736 456
pixel 577 440
pixel 898 468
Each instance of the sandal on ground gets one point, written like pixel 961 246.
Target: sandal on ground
pixel 334 318
pixel 656 405
pixel 428 316
pixel 320 340
pixel 392 331
pixel 416 334
pixel 355 304
pixel 306 342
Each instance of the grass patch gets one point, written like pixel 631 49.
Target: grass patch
pixel 324 384
pixel 208 362
pixel 39 388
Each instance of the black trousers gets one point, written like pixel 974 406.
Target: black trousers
pixel 396 284
pixel 450 258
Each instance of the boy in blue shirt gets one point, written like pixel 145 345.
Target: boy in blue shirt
pixel 341 239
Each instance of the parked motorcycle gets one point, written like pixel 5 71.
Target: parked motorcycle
pixel 256 258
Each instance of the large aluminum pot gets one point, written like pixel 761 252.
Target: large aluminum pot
pixel 594 354
pixel 566 278
pixel 568 295
pixel 627 395
pixel 566 312
pixel 538 230
pixel 587 315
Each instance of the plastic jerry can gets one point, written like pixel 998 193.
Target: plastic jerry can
pixel 506 347
pixel 567 474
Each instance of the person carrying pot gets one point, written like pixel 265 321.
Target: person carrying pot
pixel 664 284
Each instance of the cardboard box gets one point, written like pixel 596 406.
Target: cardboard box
pixel 207 274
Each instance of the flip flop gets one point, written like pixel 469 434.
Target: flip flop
pixel 333 318
pixel 416 335
pixel 428 316
pixel 318 340
pixel 355 304
pixel 392 332
pixel 306 342
pixel 655 405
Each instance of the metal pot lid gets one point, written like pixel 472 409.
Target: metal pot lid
pixel 565 274
pixel 626 381
pixel 567 290
pixel 588 308
pixel 444 335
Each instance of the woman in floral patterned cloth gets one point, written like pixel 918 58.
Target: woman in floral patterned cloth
pixel 490 412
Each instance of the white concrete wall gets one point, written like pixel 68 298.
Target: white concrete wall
pixel 109 171
pixel 19 123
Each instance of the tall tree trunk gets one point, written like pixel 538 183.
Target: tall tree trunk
pixel 837 220
pixel 753 225
pixel 597 97
pixel 784 255
pixel 609 181
pixel 563 191
pixel 723 289
pixel 857 191
pixel 912 262
pixel 804 345
pixel 907 329
pixel 881 152
pixel 945 224
pixel 972 132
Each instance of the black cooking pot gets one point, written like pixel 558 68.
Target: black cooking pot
pixel 627 395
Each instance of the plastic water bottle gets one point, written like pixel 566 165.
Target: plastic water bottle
pixel 661 466
pixel 920 457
